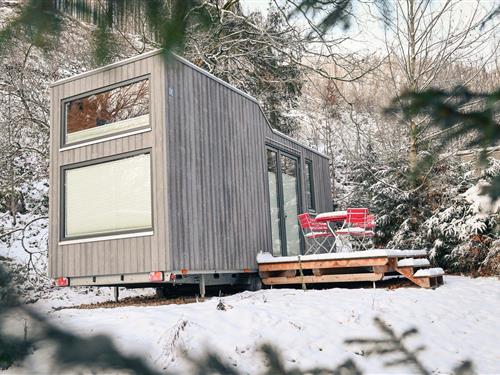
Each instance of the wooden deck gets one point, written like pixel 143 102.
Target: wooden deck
pixel 371 265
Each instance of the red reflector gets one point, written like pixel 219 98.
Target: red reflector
pixel 184 271
pixel 156 276
pixel 62 281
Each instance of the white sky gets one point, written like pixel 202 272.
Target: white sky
pixel 254 5
pixel 368 34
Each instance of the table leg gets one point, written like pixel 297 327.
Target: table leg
pixel 338 238
pixel 335 236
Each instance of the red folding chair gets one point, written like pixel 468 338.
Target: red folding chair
pixel 369 224
pixel 359 226
pixel 316 234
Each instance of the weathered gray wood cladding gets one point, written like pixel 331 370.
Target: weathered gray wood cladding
pixel 215 156
pixel 209 174
pixel 118 256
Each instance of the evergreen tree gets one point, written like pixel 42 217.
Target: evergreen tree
pixel 446 215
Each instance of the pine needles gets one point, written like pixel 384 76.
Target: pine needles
pixel 392 344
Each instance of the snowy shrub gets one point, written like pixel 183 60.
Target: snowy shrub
pixel 445 213
pixel 461 236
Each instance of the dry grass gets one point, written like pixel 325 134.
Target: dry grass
pixel 135 301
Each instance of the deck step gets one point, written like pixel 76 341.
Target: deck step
pixel 429 272
pixel 412 262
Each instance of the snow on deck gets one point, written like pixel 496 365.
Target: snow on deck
pixel 269 258
pixel 429 272
pixel 412 262
pixel 457 321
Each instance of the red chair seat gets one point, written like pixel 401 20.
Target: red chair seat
pixel 356 232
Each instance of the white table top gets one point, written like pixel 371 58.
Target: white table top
pixel 331 214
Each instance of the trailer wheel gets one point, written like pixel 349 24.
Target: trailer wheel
pixel 254 283
pixel 161 292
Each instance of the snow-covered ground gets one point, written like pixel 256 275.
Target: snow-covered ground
pixel 457 321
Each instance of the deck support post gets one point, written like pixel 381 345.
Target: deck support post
pixel 302 275
pixel 116 293
pixel 202 286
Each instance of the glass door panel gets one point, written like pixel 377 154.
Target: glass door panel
pixel 284 188
pixel 290 204
pixel 272 175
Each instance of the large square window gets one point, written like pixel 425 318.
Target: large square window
pixel 110 197
pixel 118 110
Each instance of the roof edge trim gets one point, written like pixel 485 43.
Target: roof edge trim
pixel 106 67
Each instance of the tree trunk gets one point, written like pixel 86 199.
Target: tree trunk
pixel 412 78
pixel 329 151
pixel 413 149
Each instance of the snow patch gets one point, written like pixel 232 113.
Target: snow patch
pixel 264 257
pixel 429 272
pixel 412 262
pixel 481 204
pixel 455 321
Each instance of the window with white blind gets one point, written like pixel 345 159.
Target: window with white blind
pixel 110 197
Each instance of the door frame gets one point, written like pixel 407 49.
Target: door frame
pixel 298 191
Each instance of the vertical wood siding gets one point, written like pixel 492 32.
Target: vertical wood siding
pixel 140 254
pixel 216 154
pixel 215 161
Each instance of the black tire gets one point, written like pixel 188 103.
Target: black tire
pixel 254 283
pixel 161 292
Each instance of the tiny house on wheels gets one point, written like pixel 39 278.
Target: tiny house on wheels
pixel 162 173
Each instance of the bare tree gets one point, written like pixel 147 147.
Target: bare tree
pixel 424 39
pixel 424 44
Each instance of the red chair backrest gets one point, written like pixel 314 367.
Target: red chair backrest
pixel 357 215
pixel 370 222
pixel 305 221
pixel 308 223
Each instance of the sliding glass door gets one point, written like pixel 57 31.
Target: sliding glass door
pixel 284 188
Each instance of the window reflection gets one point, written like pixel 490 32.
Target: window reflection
pixel 310 186
pixel 272 171
pixel 290 204
pixel 117 110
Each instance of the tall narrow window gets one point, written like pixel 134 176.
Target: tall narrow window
pixel 118 110
pixel 311 204
pixel 108 198
pixel 289 176
pixel 272 172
